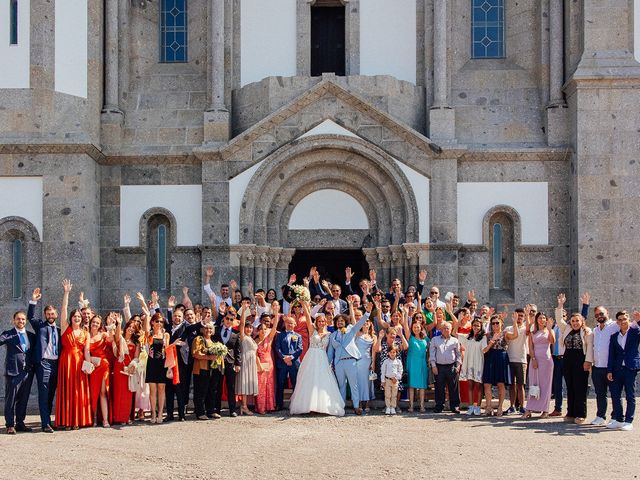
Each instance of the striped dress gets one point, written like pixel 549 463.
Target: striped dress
pixel 247 379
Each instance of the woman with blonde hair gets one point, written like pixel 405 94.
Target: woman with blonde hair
pixel 576 347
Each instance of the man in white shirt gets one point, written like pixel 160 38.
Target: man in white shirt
pixel 517 351
pixel 601 336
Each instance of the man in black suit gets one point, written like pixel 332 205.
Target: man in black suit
pixel 45 357
pixel 224 334
pixel 18 372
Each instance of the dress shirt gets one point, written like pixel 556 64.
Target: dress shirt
pixel 391 369
pixel 24 338
pixel 601 338
pixel 53 346
pixel 226 335
pixel 622 341
pixel 444 351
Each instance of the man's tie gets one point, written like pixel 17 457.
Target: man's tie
pixel 23 341
pixel 225 335
pixel 54 339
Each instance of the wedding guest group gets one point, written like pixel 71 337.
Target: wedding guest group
pixel 337 348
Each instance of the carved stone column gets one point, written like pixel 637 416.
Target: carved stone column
pixel 384 272
pixel 216 117
pixel 247 267
pixel 112 118
pixel 272 262
pixel 282 267
pixel 397 263
pixel 557 113
pixel 441 115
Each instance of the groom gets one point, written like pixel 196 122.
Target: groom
pixel 343 354
pixel 288 350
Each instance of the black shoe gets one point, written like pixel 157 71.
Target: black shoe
pixel 23 428
pixel 169 419
pixel 455 410
pixel 437 410
pixel 233 414
pixel 47 429
pixel 183 419
pixel 279 408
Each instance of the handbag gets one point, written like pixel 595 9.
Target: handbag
pixel 88 367
pixel 534 390
pixel 373 376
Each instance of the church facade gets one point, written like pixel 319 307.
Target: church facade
pixel 494 143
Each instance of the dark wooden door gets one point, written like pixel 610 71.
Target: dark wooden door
pixel 327 40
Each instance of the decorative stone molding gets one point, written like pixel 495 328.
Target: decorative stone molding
pixel 512 213
pixel 27 230
pixel 144 223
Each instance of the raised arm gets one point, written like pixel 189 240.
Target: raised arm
pixel 186 301
pixel 35 297
pixel 558 312
pixel 306 310
pixel 143 304
pixel 244 312
pixel 64 315
pixel 514 333
pixel 126 309
pixel 405 323
pixel 584 300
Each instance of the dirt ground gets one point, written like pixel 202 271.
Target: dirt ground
pixel 278 446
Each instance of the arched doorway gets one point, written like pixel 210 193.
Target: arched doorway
pixel 331 264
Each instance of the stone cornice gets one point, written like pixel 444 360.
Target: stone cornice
pixel 521 155
pixel 52 149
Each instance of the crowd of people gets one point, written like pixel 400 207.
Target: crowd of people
pixel 328 342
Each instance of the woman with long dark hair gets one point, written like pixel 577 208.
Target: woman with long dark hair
pixel 157 341
pixel 126 349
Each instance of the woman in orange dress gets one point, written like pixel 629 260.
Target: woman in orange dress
pixel 73 408
pixel 126 349
pixel 96 352
pixel 266 399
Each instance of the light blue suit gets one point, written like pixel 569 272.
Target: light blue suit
pixel 343 353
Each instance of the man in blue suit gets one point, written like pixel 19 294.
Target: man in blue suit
pixel 18 373
pixel 45 357
pixel 343 354
pixel 288 351
pixel 622 368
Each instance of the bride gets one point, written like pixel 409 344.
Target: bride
pixel 316 388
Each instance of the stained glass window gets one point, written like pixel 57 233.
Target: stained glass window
pixel 487 28
pixel 173 31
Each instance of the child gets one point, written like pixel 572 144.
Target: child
pixel 390 375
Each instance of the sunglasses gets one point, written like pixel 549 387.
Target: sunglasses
pixel 495 323
pixel 157 321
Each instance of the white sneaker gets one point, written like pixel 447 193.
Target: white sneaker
pixel 626 427
pixel 598 422
pixel 393 411
pixel 615 425
pixel 387 411
pixel 477 410
pixel 470 411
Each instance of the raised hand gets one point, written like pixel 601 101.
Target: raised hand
pixel 422 276
pixel 561 299
pixel 514 318
pixel 584 298
pixel 372 275
pixel 36 295
pixel 154 297
pixel 171 302
pixel 471 295
pixel 140 297
pixel 209 271
pixel 325 284
pixel 636 315
pixel 233 285
pixel 66 285
pixel 368 307
pixel 292 279
pixel 185 292
pixel 348 274
pixel 117 318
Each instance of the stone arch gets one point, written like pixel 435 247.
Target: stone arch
pixel 144 224
pixel 509 220
pixel 18 228
pixel 351 164
pixel 512 213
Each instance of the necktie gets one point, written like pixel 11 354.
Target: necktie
pixel 23 341
pixel 54 339
pixel 225 335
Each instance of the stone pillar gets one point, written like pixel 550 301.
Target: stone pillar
pixel 397 263
pixel 557 114
pixel 246 267
pixel 303 37
pixel 216 117
pixel 384 271
pixel 282 268
pixel 261 267
pixel 352 36
pixel 411 251
pixel 272 262
pixel 443 193
pixel 441 115
pixel 111 66
pixel 604 102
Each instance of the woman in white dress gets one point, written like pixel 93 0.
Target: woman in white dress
pixel 316 389
pixel 473 362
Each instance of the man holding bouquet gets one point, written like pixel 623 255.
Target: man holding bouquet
pixel 232 361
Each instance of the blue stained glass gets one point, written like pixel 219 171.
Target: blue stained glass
pixel 13 22
pixel 162 257
pixel 487 28
pixel 497 255
pixel 173 31
pixel 17 269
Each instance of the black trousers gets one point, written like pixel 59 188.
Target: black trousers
pixel 203 393
pixel 447 377
pixel 16 397
pixel 577 381
pixel 177 391
pixel 229 378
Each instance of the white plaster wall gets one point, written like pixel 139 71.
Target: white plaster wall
pixel 530 199
pixel 22 197
pixel 388 38
pixel 237 187
pixel 15 61
pixel 420 186
pixel 328 127
pixel 267 39
pixel 183 201
pixel 71 47
pixel 328 209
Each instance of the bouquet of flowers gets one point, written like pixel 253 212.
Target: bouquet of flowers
pixel 220 351
pixel 301 293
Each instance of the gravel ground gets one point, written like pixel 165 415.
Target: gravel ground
pixel 283 447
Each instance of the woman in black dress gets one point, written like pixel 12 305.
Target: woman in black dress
pixel 156 375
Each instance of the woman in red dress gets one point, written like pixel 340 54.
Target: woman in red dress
pixel 126 349
pixel 464 328
pixel 73 408
pixel 96 352
pixel 266 399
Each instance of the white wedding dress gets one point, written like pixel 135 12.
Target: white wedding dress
pixel 316 387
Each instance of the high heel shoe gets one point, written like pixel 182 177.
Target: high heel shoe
pixel 526 415
pixel 499 412
pixel 544 415
pixel 246 411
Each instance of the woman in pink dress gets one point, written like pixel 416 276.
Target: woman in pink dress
pixel 266 400
pixel 541 366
